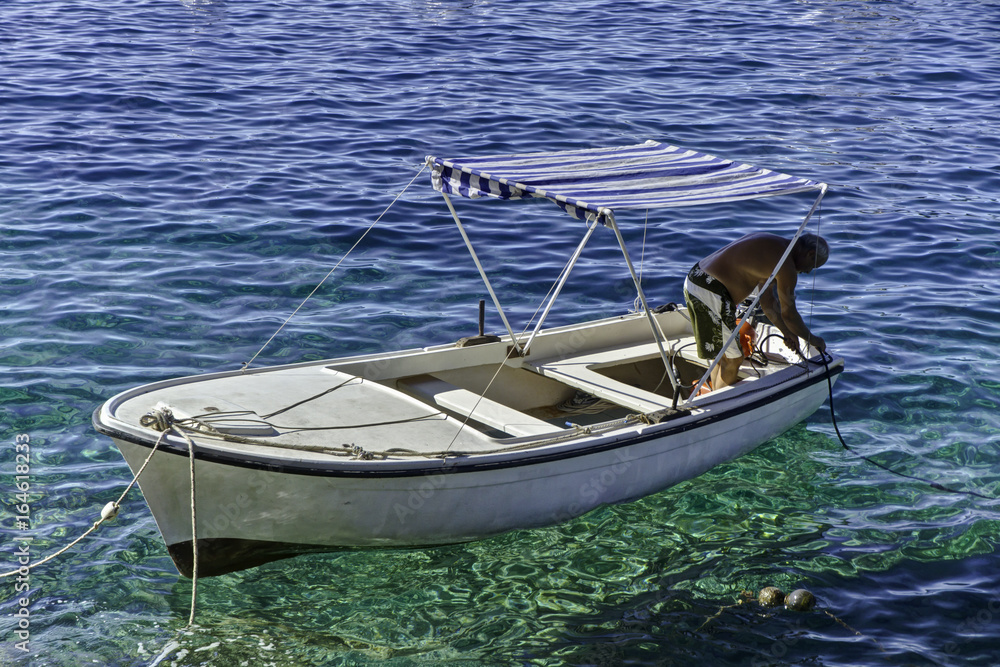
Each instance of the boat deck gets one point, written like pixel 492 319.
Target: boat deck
pixel 424 402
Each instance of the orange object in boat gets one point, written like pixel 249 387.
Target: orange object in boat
pixel 748 338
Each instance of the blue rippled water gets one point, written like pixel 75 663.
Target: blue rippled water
pixel 176 175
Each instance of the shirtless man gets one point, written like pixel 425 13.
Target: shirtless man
pixel 726 277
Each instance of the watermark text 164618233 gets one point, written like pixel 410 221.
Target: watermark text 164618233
pixel 22 540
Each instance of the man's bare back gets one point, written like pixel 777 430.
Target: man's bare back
pixel 745 264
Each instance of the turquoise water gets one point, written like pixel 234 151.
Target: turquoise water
pixel 175 177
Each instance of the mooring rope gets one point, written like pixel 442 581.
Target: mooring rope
pixel 163 421
pixel 246 364
pixel 194 525
pixel 833 415
pixel 933 485
pixel 109 512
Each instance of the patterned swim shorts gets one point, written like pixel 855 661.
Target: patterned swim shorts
pixel 713 314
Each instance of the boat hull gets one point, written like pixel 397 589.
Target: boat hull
pixel 253 511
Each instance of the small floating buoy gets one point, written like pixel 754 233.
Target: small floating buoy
pixel 109 512
pixel 771 597
pixel 800 600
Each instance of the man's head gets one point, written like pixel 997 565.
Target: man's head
pixel 811 252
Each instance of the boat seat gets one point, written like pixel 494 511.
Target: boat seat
pixel 684 348
pixel 580 371
pixel 470 404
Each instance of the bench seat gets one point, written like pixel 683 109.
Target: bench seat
pixel 470 404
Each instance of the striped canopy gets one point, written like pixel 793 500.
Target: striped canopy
pixel 589 182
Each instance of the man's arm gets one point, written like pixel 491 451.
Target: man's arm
pixel 788 315
pixel 773 312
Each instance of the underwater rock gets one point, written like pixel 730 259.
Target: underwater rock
pixel 771 597
pixel 800 600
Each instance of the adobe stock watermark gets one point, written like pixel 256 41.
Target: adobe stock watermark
pixel 419 496
pixel 595 488
pixel 975 625
pixel 244 507
pixel 22 541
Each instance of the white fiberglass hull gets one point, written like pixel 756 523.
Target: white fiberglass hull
pixel 257 505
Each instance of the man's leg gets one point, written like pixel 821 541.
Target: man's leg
pixel 726 372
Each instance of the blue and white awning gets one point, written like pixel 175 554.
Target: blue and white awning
pixel 587 182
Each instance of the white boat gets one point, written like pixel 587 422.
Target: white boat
pixel 462 441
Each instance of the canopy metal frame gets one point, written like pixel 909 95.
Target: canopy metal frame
pixel 610 217
pixel 606 217
pixel 563 277
pixel 590 184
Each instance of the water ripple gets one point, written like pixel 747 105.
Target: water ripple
pixel 177 176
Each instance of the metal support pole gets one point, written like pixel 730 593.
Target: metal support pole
pixel 482 272
pixel 610 218
pixel 562 281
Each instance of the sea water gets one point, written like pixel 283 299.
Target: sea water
pixel 176 176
